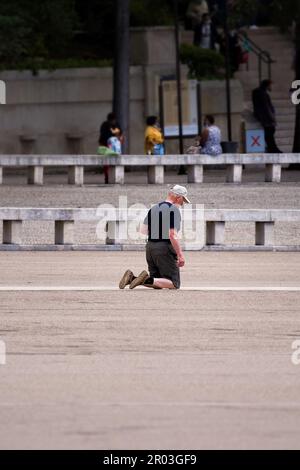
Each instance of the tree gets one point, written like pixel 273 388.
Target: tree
pixel 121 67
pixel 34 29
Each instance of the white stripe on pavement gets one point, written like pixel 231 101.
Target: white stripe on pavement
pixel 113 288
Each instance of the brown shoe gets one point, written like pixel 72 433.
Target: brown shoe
pixel 139 281
pixel 126 280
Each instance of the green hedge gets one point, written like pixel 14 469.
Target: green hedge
pixel 35 64
pixel 203 64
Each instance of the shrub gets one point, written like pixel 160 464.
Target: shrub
pixel 37 64
pixel 203 64
pixel 150 13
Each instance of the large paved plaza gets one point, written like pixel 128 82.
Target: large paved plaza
pixel 89 366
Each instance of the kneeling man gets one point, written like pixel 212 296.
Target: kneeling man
pixel 163 251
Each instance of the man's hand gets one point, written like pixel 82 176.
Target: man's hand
pixel 181 261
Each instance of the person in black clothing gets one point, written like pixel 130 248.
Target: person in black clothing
pixel 109 128
pixel 264 112
pixel 205 33
pixel 163 252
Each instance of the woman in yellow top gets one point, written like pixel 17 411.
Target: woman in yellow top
pixel 153 137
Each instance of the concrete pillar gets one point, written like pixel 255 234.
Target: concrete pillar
pixel 156 174
pixel 116 232
pixel 12 232
pixel 64 232
pixel 215 233
pixel 273 173
pixel 76 175
pixel 116 174
pixel 264 233
pixel 234 174
pixel 36 175
pixel 1 175
pixel 195 174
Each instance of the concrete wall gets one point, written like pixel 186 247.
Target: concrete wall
pixel 61 111
pixel 53 105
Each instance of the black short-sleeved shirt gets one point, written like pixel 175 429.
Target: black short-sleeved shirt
pixel 105 132
pixel 160 219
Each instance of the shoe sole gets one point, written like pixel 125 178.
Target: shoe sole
pixel 139 281
pixel 125 281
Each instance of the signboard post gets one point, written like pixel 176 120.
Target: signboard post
pixel 190 112
pixel 2 92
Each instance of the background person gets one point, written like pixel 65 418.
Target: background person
pixel 264 112
pixel 210 139
pixel 110 140
pixel 195 11
pixel 110 128
pixel 154 138
pixel 205 33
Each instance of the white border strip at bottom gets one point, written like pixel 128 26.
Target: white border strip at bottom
pixel 115 288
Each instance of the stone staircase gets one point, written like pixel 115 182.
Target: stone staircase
pixel 281 49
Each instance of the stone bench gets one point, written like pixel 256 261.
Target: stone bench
pixel 116 220
pixel 264 223
pixel 155 165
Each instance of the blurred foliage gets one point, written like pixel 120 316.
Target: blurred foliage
pixel 285 12
pixel 32 29
pixel 156 12
pixel 202 63
pixel 35 32
pixel 151 13
pixel 243 13
pixel 37 64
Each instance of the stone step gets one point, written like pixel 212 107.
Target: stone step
pixel 285 148
pixel 276 46
pixel 264 34
pixel 281 103
pixel 283 106
pixel 284 140
pixel 286 61
pixel 281 124
pixel 287 126
pixel 281 49
pixel 274 39
pixel 248 98
pixel 284 133
pixel 285 112
pixel 282 79
pixel 263 29
pixel 286 118
pixel 281 91
pixel 273 43
pixel 281 95
pixel 281 113
pixel 287 74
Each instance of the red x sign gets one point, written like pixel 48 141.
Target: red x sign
pixel 255 141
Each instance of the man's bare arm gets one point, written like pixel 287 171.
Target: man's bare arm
pixel 144 229
pixel 176 245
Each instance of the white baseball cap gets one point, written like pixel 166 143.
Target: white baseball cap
pixel 180 191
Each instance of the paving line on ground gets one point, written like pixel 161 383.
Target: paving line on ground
pixel 114 288
pixel 273 406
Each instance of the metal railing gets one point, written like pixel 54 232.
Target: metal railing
pixel 264 57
